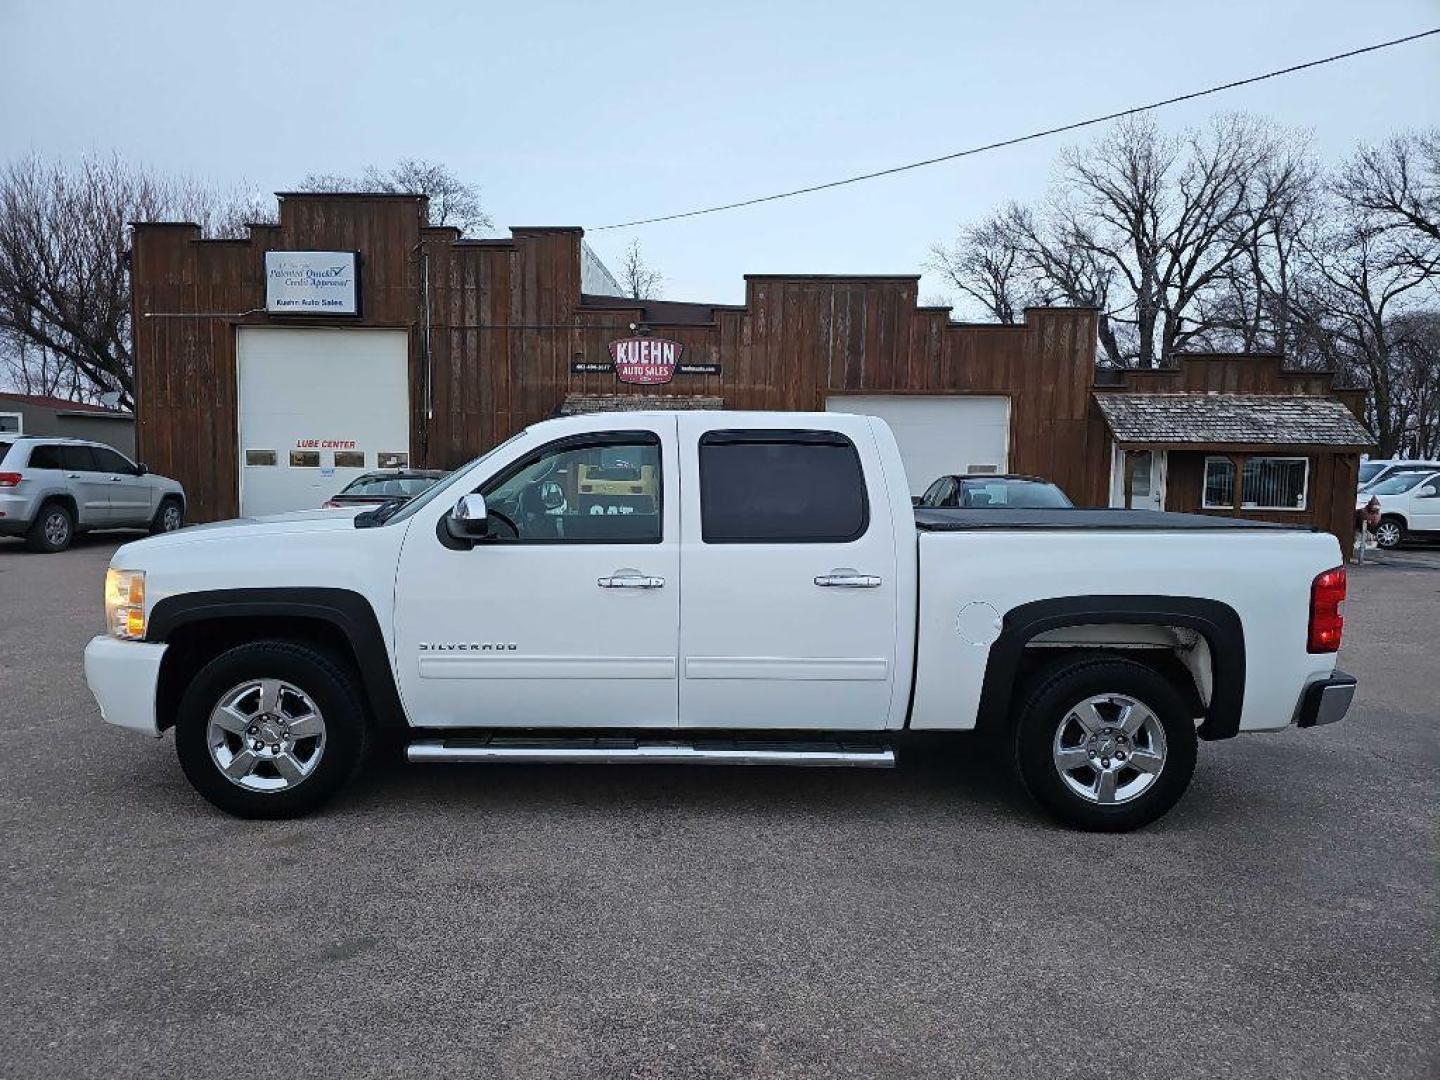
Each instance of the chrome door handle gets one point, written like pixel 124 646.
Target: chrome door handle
pixel 115 479
pixel 847 579
pixel 72 476
pixel 630 580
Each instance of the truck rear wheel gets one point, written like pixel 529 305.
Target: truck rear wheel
pixel 270 730
pixel 1105 744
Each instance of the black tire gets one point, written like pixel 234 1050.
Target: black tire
pixel 1047 710
pixel 1390 533
pixel 169 516
pixel 326 681
pixel 53 530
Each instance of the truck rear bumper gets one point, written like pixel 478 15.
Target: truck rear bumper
pixel 1326 701
pixel 123 676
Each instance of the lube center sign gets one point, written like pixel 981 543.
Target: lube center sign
pixel 312 282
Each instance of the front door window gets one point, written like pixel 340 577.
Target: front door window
pixel 606 493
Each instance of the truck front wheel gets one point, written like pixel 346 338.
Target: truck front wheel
pixel 1105 744
pixel 270 729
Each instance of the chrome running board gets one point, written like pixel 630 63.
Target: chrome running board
pixel 602 751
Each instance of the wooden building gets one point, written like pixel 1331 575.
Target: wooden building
pixel 430 348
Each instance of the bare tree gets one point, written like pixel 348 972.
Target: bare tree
pixel 30 370
pixel 1172 214
pixel 1398 185
pixel 1368 298
pixel 986 264
pixel 1148 228
pixel 64 288
pixel 1231 237
pixel 452 201
pixel 1417 382
pixel 1251 303
pixel 639 279
pixel 1016 258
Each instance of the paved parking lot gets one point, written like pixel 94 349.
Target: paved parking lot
pixel 653 922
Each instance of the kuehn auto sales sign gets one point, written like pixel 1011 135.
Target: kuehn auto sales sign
pixel 312 282
pixel 645 360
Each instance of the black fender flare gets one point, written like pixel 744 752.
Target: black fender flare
pixel 1216 622
pixel 345 610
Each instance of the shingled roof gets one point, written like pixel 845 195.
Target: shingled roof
pixel 1233 419
pixel 576 404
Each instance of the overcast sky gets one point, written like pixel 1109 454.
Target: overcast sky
pixel 585 114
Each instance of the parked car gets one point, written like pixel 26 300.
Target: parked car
pixel 1373 472
pixel 1409 504
pixel 822 616
pixel 972 492
pixel 52 488
pixel 374 488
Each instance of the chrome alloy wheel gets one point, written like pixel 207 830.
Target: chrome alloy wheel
pixel 1109 748
pixel 57 528
pixel 266 735
pixel 170 518
pixel 1387 534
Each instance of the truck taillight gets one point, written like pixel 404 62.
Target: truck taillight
pixel 10 479
pixel 1327 595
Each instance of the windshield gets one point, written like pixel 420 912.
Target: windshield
pixel 1024 494
pixel 398 487
pixel 1369 470
pixel 397 511
pixel 1398 484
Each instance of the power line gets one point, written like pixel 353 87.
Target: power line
pixel 1021 138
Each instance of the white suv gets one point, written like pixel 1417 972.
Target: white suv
pixel 1409 505
pixel 1374 471
pixel 52 488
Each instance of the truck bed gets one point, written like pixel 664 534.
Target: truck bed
pixel 936 520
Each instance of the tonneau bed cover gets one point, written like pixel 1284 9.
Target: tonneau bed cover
pixel 934 520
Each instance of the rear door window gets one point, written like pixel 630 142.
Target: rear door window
pixel 45 457
pixel 78 458
pixel 785 487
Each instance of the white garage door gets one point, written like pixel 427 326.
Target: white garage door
pixel 317 409
pixel 940 435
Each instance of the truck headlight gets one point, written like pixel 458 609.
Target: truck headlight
pixel 125 603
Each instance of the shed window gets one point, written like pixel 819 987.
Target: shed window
pixel 11 423
pixel 1266 483
pixel 349 459
pixel 261 457
pixel 304 459
pixel 1219 483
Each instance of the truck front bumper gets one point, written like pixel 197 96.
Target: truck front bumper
pixel 1325 701
pixel 123 676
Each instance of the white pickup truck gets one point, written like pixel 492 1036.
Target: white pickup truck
pixel 715 587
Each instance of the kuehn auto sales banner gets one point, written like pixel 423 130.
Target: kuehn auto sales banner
pixel 645 360
pixel 308 282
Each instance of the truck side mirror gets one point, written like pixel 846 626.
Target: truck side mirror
pixel 469 520
pixel 141 469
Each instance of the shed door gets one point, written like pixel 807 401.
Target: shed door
pixel 939 435
pixel 317 409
